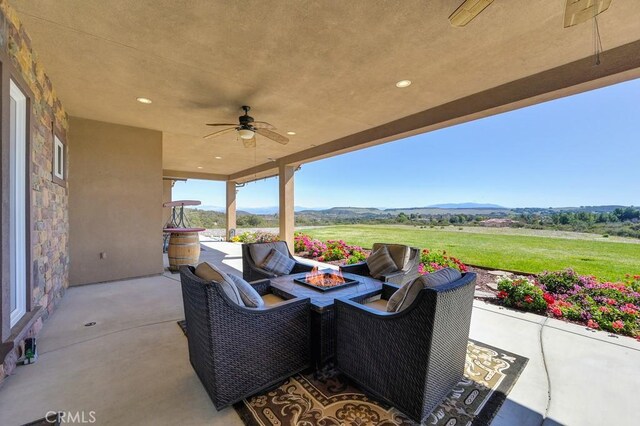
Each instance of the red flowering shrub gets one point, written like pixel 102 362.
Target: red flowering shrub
pixel 431 261
pixel 521 293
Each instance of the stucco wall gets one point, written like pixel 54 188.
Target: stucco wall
pixel 115 203
pixel 47 214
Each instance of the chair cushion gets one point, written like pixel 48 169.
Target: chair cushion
pixel 406 294
pixel 381 263
pixel 260 251
pixel 248 294
pixel 278 263
pixel 378 305
pixel 272 299
pixel 398 252
pixel 209 272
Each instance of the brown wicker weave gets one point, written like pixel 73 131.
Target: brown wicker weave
pixel 411 359
pixel 252 272
pixel 237 351
pixel 408 273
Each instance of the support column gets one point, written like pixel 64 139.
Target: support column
pixel 231 208
pixel 167 189
pixel 286 204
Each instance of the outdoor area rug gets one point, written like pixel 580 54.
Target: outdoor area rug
pixel 329 399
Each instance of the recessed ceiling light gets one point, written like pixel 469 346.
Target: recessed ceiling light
pixel 403 83
pixel 199 167
pixel 291 133
pixel 144 100
pixel 218 158
pixel 313 144
pixel 271 159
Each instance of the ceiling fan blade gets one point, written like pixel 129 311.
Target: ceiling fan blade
pixel 219 132
pixel 221 124
pixel 276 137
pixel 249 143
pixel 262 125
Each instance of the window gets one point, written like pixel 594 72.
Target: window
pixel 59 166
pixel 58 158
pixel 17 203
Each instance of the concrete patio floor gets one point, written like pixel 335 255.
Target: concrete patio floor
pixel 132 367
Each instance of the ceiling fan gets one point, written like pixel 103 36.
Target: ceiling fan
pixel 246 128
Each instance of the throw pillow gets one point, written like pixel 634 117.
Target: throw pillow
pixel 406 294
pixel 278 263
pixel 381 263
pixel 209 272
pixel 260 251
pixel 248 294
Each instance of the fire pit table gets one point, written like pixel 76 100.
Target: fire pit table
pixel 323 335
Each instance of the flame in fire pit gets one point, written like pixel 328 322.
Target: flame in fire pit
pixel 324 279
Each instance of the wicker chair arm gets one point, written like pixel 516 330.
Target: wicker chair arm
pixel 301 267
pixel 263 272
pixel 361 269
pixel 262 286
pixel 388 289
pixel 397 277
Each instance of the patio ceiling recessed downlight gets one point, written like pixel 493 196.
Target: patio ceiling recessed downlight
pixel 403 83
pixel 218 158
pixel 291 133
pixel 144 100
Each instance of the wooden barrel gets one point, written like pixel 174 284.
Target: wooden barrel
pixel 184 249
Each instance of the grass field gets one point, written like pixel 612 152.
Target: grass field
pixel 526 251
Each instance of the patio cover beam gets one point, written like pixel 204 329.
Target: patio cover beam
pixel 181 174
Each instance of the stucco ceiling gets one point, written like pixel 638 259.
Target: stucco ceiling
pixel 325 70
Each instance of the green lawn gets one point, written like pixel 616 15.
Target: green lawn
pixel 608 260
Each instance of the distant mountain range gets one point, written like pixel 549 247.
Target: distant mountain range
pixel 254 210
pixel 274 209
pixel 435 209
pixel 467 206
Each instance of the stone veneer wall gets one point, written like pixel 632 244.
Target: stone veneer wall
pixel 50 248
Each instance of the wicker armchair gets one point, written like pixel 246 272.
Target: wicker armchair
pixel 413 358
pixel 407 270
pixel 251 271
pixel 238 351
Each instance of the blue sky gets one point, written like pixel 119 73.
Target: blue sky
pixel 576 151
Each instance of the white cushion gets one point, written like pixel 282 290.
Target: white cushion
pixel 209 272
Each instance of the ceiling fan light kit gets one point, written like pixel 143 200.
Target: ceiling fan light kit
pixel 246 133
pixel 467 11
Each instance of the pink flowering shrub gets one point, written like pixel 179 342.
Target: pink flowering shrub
pixel 332 250
pixel 431 261
pixel 614 307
